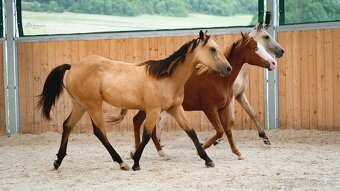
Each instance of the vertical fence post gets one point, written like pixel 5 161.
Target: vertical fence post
pixel 10 70
pixel 270 77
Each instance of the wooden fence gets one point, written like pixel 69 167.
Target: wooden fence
pixel 36 59
pixel 309 80
pixel 2 98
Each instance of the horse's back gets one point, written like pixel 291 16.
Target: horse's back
pixel 99 78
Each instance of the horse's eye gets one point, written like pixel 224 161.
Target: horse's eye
pixel 266 37
pixel 213 49
pixel 256 48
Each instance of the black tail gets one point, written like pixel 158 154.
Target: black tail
pixel 53 87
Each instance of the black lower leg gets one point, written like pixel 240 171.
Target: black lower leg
pixel 136 157
pixel 62 152
pixel 103 139
pixel 263 135
pixel 63 145
pixel 201 152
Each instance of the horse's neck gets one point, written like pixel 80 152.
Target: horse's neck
pixel 183 71
pixel 236 64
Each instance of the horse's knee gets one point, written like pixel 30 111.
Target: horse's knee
pixel 228 132
pixel 219 133
pixel 96 131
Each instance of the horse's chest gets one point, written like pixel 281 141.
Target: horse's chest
pixel 240 85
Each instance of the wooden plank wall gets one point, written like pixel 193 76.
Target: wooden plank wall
pixel 36 59
pixel 2 98
pixel 309 80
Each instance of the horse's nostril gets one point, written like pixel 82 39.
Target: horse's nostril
pixel 229 69
pixel 282 51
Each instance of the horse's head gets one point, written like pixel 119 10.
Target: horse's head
pixel 208 53
pixel 253 52
pixel 267 41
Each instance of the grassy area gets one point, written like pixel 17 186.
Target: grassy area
pixel 64 23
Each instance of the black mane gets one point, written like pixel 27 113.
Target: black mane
pixel 163 68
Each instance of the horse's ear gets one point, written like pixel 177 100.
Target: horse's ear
pixel 243 35
pixel 201 35
pixel 206 32
pixel 259 26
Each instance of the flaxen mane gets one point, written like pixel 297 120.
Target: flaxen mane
pixel 163 68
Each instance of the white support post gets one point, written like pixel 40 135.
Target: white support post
pixel 10 70
pixel 270 77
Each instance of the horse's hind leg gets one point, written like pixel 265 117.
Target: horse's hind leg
pixel 242 99
pixel 75 115
pixel 100 132
pixel 152 117
pixel 138 120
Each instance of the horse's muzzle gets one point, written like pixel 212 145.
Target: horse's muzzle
pixel 225 71
pixel 270 65
pixel 279 53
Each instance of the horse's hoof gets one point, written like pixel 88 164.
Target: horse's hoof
pixel 124 166
pixel 240 157
pixel 216 143
pixel 267 141
pixel 135 167
pixel 210 164
pixel 56 166
pixel 163 155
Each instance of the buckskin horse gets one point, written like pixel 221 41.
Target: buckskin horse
pixel 96 79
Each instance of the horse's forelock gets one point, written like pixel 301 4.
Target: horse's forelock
pixel 206 39
pixel 259 27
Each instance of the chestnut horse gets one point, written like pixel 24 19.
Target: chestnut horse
pixel 96 79
pixel 210 93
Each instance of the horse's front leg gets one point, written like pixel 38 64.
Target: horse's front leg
pixel 152 117
pixel 224 117
pixel 214 119
pixel 178 113
pixel 242 99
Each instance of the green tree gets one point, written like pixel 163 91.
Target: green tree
pixel 171 8
pixel 311 11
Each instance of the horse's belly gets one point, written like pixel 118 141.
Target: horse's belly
pixel 126 101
